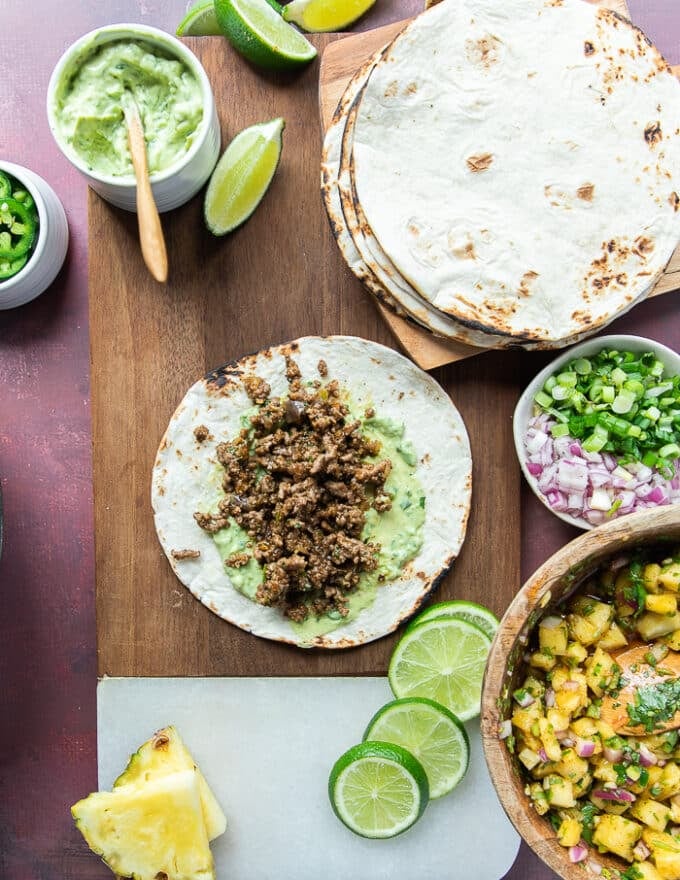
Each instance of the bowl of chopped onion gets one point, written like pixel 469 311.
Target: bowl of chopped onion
pixel 597 432
pixel 581 703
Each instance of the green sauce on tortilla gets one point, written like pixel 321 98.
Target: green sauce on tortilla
pixel 399 531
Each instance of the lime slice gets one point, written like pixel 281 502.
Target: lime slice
pixel 443 660
pixel 242 176
pixel 200 21
pixel 479 615
pixel 325 15
pixel 431 733
pixel 261 35
pixel 378 789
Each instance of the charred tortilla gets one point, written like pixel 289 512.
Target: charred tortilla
pixel 187 476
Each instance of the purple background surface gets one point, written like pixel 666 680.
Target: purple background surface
pixel 47 624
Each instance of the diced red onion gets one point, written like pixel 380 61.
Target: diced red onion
pixel 615 794
pixel 505 729
pixel 543 755
pixel 570 686
pixel 578 853
pixel 567 742
pixel 585 748
pixel 640 851
pixel 614 756
pixel 619 562
pixel 586 485
pixel 594 866
pixel 661 763
pixel 549 698
pixel 525 700
pixel 647 757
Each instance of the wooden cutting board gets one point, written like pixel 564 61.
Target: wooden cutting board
pixel 279 277
pixel 340 61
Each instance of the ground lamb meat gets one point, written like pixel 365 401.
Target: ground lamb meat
pixel 299 480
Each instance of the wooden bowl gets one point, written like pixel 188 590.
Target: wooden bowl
pixel 561 575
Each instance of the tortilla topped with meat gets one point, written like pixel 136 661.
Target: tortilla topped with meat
pixel 314 493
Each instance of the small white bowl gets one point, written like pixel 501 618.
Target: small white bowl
pixel 525 405
pixel 50 249
pixel 173 186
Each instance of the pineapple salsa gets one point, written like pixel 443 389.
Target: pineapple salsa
pixel 594 723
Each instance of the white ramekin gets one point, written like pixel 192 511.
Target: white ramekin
pixel 525 405
pixel 50 249
pixel 174 185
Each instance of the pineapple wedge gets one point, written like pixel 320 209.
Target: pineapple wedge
pixel 166 753
pixel 151 830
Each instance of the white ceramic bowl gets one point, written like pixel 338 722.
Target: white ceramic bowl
pixel 525 405
pixel 50 249
pixel 174 185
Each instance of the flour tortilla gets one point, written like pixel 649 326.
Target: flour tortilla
pixel 518 162
pixel 186 477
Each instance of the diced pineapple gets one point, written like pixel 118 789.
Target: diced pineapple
pixel 576 652
pixel 149 830
pixel 553 635
pixel 646 871
pixel 560 791
pixel 601 671
pixel 589 620
pixel 675 808
pixel 661 603
pixel 539 798
pixel 529 758
pixel 559 675
pixel 571 766
pixel 586 728
pixel 525 719
pixel 569 832
pixel 605 729
pixel 669 577
pixel 166 753
pixel 604 771
pixel 617 834
pixel 613 639
pixel 673 640
pixel 665 853
pixel 612 808
pixel 558 719
pixel 550 742
pixel 650 577
pixel 669 781
pixel 652 626
pixel 535 686
pixel 651 813
pixel 542 660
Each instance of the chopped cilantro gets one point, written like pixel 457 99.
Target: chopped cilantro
pixel 588 813
pixel 654 704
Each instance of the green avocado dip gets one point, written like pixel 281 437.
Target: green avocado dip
pixel 89 106
pixel 388 514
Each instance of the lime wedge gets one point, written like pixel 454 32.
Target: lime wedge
pixel 242 176
pixel 431 734
pixel 200 21
pixel 378 789
pixel 442 660
pixel 317 16
pixel 479 615
pixel 261 35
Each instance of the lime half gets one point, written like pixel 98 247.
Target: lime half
pixel 431 733
pixel 260 34
pixel 325 15
pixel 378 789
pixel 200 21
pixel 479 615
pixel 442 660
pixel 242 176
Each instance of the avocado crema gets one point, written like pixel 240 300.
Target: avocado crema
pixel 321 506
pixel 89 106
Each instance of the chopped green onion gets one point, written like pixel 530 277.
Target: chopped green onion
pixel 582 366
pixel 559 430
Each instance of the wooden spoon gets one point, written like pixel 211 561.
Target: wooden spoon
pixel 150 230
pixel 636 672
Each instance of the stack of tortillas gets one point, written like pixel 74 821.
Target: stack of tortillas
pixel 508 173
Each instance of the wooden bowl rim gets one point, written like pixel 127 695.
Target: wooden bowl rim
pixel 577 559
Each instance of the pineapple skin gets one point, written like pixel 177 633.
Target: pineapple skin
pixel 166 753
pixel 143 831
